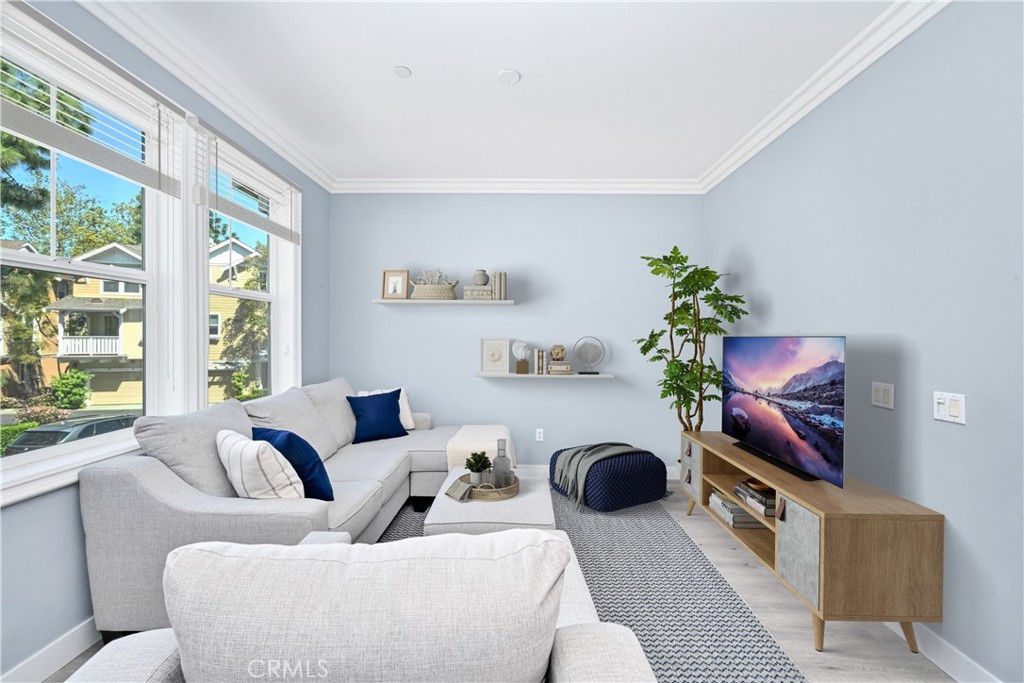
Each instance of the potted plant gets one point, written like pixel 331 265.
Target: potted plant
pixel 698 309
pixel 477 464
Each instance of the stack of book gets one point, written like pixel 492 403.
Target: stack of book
pixel 540 362
pixel 559 367
pixel 759 497
pixel 477 293
pixel 734 515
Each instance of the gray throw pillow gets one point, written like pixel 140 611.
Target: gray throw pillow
pixel 329 400
pixel 187 443
pixel 442 608
pixel 293 411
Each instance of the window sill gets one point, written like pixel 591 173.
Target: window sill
pixel 27 475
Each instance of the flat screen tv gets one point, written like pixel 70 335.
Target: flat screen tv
pixel 786 398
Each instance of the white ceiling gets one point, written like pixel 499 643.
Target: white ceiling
pixel 614 97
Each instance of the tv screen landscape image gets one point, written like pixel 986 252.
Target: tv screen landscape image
pixel 786 397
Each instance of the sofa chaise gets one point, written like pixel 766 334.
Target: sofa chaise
pixel 138 508
pixel 506 606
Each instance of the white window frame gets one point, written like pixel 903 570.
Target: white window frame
pixel 214 335
pixel 284 293
pixel 176 292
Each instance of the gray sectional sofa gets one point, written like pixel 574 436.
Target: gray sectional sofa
pixel 138 508
pixel 507 606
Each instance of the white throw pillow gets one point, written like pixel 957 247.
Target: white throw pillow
pixel 450 607
pixel 256 469
pixel 404 411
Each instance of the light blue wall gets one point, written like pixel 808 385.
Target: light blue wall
pixel 44 584
pixel 574 270
pixel 45 589
pixel 893 215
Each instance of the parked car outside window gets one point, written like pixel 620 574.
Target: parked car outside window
pixel 71 429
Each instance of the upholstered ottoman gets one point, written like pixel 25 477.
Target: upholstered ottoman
pixel 620 481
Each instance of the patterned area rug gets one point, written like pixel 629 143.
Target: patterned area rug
pixel 646 573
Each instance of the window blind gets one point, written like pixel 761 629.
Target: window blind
pixel 238 186
pixel 59 95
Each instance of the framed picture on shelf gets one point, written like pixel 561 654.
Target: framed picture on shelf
pixel 394 284
pixel 494 355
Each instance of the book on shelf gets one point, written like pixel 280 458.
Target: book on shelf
pixel 734 515
pixel 733 507
pixel 477 293
pixel 766 510
pixel 498 281
pixel 559 367
pixel 744 521
pixel 765 498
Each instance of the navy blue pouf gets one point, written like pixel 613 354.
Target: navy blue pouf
pixel 619 482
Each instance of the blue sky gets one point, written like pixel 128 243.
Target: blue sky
pixel 109 189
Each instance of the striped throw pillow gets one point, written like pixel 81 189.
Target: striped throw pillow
pixel 256 469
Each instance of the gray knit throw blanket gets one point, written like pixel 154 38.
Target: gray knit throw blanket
pixel 572 466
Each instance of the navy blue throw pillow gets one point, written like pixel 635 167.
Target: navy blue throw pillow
pixel 377 416
pixel 302 457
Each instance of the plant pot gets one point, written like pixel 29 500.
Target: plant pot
pixel 476 478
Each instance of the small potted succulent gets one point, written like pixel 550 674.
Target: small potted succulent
pixel 477 464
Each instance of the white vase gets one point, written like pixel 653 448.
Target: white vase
pixel 476 478
pixel 481 278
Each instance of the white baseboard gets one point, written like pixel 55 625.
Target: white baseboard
pixel 54 656
pixel 951 660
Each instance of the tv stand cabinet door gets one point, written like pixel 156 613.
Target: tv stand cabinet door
pixel 690 458
pixel 798 550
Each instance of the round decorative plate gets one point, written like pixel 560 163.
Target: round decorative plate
pixel 588 352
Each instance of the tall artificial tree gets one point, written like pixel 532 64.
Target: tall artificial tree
pixel 698 310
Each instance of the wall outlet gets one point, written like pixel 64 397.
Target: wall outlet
pixel 540 435
pixel 948 407
pixel 883 395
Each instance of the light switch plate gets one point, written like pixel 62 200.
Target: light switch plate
pixel 883 395
pixel 948 407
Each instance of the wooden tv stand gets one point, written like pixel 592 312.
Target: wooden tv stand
pixel 852 554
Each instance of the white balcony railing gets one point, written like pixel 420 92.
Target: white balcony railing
pixel 90 346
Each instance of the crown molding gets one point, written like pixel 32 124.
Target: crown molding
pixel 888 30
pixel 185 68
pixel 512 186
pixel 898 21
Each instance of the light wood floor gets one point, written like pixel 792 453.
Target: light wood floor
pixel 854 651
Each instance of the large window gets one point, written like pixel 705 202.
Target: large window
pixel 73 356
pixel 116 254
pixel 252 223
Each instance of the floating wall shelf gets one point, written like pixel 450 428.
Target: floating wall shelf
pixel 507 375
pixel 435 302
